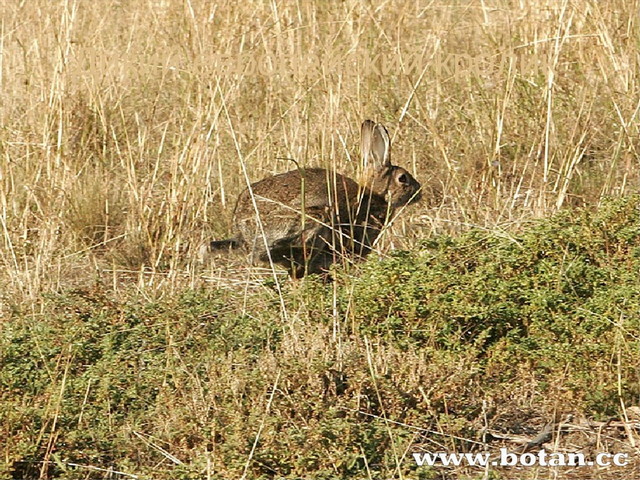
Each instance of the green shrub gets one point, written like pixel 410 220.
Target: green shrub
pixel 530 323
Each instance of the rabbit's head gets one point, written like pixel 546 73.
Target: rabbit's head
pixel 394 183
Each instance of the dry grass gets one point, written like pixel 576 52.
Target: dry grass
pixel 126 125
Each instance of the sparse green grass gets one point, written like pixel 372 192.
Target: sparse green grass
pixel 540 324
pixel 125 131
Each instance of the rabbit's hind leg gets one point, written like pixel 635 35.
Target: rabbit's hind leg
pixel 222 246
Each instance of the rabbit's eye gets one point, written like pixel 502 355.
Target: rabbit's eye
pixel 403 178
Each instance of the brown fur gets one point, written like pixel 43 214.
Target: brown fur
pixel 336 217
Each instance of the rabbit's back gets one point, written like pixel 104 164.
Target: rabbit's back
pixel 321 188
pixel 306 212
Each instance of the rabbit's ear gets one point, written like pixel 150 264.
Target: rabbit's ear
pixel 376 146
pixel 366 139
pixel 381 146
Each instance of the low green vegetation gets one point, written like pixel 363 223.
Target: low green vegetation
pixel 417 351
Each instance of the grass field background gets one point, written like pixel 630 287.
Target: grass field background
pixel 127 128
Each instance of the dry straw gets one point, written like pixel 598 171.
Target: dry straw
pixel 128 128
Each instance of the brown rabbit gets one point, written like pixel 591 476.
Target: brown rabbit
pixel 307 219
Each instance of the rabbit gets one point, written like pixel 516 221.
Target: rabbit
pixel 310 218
